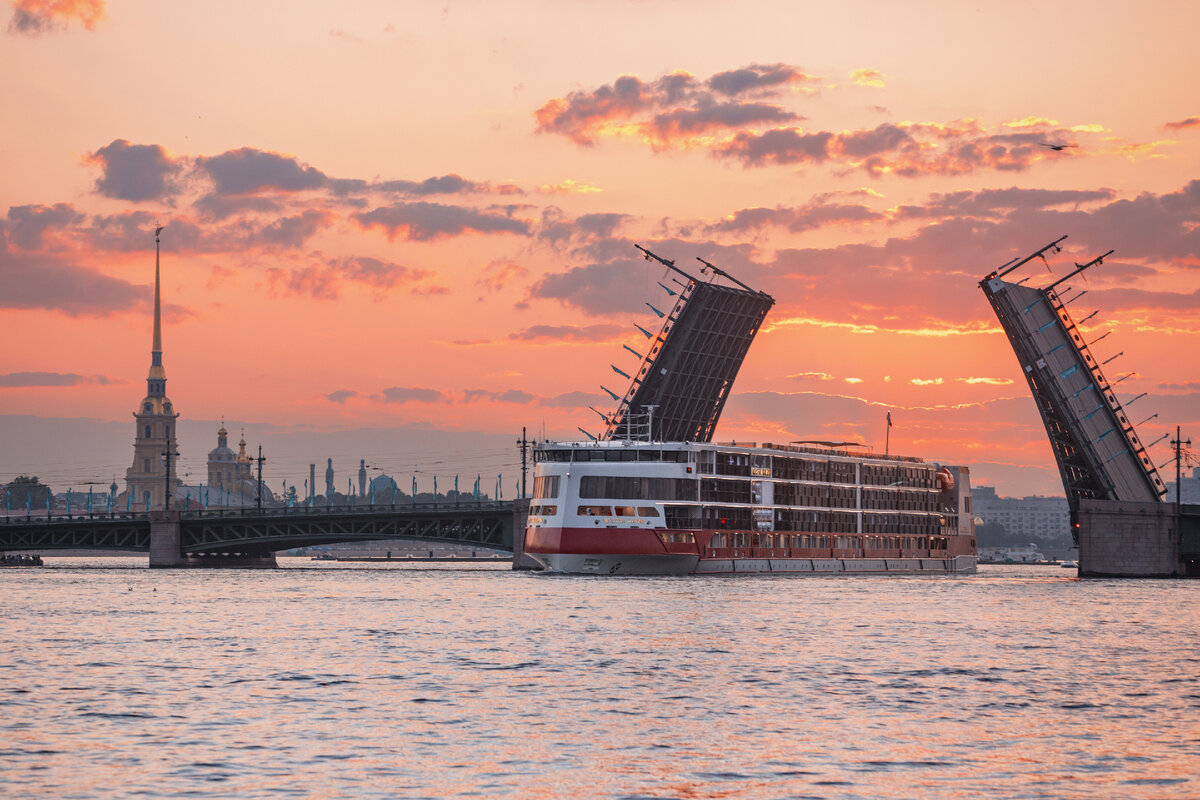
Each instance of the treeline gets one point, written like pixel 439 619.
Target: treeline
pixel 25 490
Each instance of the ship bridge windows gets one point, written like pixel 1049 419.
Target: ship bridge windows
pixel 595 511
pixel 551 455
pixel 546 486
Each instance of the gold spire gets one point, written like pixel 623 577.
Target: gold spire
pixel 158 375
pixel 157 304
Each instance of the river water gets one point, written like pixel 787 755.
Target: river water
pixel 439 680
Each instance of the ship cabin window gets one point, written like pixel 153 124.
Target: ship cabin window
pixel 626 511
pixel 543 511
pixel 551 455
pixel 546 486
pixel 647 511
pixel 595 511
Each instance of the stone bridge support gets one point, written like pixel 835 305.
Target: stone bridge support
pixel 166 550
pixel 1129 540
pixel 520 515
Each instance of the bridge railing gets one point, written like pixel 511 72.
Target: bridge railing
pixel 61 516
pixel 353 508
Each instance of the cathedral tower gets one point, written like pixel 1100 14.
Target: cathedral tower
pixel 146 480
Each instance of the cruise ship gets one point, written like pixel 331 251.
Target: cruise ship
pixel 628 507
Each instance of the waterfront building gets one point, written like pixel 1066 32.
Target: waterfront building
pixel 155 418
pixel 362 477
pixel 1035 516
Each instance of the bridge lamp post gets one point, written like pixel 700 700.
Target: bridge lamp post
pixel 167 454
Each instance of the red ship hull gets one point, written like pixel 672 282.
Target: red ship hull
pixel 667 552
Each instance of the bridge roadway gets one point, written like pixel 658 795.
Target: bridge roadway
pixel 249 536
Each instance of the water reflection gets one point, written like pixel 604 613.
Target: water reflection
pixel 440 680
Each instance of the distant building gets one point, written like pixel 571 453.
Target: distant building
pixel 231 481
pixel 329 479
pixel 1036 516
pixel 222 463
pixel 362 477
pixel 154 436
pixel 1191 486
pixel 383 487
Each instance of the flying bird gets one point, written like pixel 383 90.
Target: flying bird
pixel 1055 147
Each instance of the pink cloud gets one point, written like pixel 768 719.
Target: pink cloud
pixel 35 17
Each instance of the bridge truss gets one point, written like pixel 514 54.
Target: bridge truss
pixel 487 525
pixel 685 378
pixel 1097 449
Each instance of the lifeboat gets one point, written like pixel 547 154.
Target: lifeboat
pixel 945 480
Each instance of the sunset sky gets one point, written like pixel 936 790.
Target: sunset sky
pixel 422 215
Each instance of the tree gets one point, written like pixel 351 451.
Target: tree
pixel 23 487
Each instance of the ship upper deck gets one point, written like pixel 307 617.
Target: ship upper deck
pixel 627 450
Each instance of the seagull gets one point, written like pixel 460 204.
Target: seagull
pixel 1055 147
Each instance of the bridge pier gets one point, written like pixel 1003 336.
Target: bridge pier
pixel 520 514
pixel 1136 540
pixel 166 550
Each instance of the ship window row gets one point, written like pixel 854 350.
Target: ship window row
pixel 895 475
pixel 896 500
pixel 800 541
pixel 543 511
pixel 618 511
pixel 813 469
pixel 612 454
pixel 741 518
pixel 546 486
pixel 900 523
pixel 614 487
pixel 713 490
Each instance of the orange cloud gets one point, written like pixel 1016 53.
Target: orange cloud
pixel 987 381
pixel 868 77
pixel 569 187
